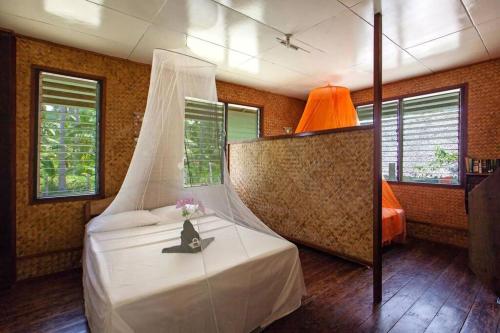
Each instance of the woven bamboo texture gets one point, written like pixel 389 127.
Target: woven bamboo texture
pixel 315 189
pixel 44 231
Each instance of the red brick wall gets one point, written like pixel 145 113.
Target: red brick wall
pixel 444 206
pixel 278 111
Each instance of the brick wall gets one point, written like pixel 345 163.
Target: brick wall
pixel 445 206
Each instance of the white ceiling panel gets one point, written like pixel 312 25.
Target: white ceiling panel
pixel 312 63
pixel 490 32
pixel 453 50
pixel 81 16
pixel 346 38
pixel 409 23
pixel 239 36
pixel 396 63
pixel 482 11
pixel 243 80
pixel 145 9
pixel 224 58
pixel 212 22
pixel 268 71
pixel 353 78
pixel 64 36
pixel 156 38
pixel 289 16
pixel 350 3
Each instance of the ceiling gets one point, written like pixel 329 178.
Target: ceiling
pixel 420 36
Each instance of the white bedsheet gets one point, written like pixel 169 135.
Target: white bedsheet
pixel 244 279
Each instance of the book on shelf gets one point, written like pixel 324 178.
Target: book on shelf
pixel 481 166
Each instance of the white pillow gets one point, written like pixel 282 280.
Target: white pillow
pixel 132 219
pixel 173 214
pixel 168 214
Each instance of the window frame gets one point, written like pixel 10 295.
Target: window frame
pixel 260 118
pixel 462 135
pixel 34 131
pixel 223 148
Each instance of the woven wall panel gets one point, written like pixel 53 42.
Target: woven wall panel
pixel 45 228
pixel 442 206
pixel 438 234
pixel 53 262
pixel 49 228
pixel 315 189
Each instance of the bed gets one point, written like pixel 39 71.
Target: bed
pixel 245 279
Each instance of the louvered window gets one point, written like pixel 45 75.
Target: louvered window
pixel 67 136
pixel 429 130
pixel 389 135
pixel 242 122
pixel 203 141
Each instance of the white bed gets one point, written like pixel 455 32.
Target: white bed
pixel 244 278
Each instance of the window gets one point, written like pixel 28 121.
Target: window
pixel 389 135
pixel 242 122
pixel 203 140
pixel 67 135
pixel 420 137
pixel 204 137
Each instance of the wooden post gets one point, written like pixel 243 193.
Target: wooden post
pixel 377 156
pixel 7 158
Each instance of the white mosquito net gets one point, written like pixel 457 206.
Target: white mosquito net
pixel 247 277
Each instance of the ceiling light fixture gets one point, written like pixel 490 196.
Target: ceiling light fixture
pixel 286 42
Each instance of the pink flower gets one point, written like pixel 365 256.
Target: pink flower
pixel 182 202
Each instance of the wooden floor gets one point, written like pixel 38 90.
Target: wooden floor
pixel 427 287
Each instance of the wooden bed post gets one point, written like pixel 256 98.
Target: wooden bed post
pixel 377 155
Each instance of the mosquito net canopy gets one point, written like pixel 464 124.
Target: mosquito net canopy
pixel 158 174
pixel 245 277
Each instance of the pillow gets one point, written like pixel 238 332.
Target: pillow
pixel 136 218
pixel 173 214
pixel 168 213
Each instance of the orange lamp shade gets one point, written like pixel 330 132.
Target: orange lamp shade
pixel 328 107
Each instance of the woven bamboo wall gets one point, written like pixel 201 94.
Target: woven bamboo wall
pixel 49 235
pixel 315 189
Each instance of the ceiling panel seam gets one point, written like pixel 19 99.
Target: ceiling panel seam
pixel 475 27
pixel 118 11
pixel 147 28
pixel 62 27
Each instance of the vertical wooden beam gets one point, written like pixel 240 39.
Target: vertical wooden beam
pixel 377 156
pixel 7 158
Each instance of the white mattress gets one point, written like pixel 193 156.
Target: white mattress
pixel 244 279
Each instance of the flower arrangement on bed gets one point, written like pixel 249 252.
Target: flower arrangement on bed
pixel 191 241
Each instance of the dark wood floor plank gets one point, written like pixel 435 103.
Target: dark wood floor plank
pixel 422 277
pixel 484 315
pixel 423 311
pixel 422 280
pixel 453 313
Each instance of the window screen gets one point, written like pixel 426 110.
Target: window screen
pixel 67 136
pixel 242 122
pixel 389 135
pixel 431 138
pixel 203 141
